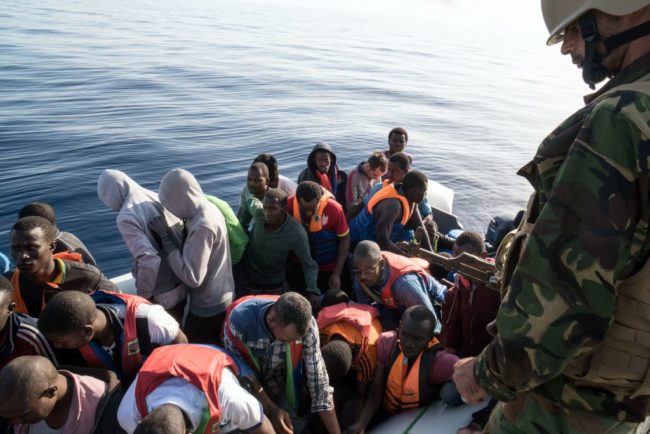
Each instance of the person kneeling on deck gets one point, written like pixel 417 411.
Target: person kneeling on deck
pixel 329 237
pixel 391 214
pixel 191 389
pixel 275 235
pixel 36 398
pixel 203 261
pixel 394 282
pixel 65 241
pixel 412 370
pixel 278 337
pixel 112 331
pixel 349 334
pixel 41 273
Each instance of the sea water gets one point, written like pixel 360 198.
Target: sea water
pixel 145 86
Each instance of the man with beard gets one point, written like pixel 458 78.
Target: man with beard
pixel 571 355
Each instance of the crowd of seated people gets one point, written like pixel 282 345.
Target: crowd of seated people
pixel 296 313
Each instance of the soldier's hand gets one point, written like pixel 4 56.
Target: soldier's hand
pixel 466 383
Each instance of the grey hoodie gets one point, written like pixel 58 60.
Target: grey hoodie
pixel 204 263
pixel 136 206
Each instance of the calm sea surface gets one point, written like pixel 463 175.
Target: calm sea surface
pixel 146 86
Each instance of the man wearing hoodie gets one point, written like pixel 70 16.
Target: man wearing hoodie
pixel 203 261
pixel 135 206
pixel 322 169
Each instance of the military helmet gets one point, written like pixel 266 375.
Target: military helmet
pixel 558 14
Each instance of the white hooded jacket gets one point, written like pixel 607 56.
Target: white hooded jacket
pixel 204 263
pixel 136 206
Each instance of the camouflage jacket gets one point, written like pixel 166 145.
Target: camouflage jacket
pixel 590 176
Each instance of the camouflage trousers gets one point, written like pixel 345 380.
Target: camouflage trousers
pixel 530 414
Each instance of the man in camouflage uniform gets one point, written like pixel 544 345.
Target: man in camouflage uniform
pixel 572 353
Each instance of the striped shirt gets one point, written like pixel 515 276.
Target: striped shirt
pixel 246 323
pixel 21 337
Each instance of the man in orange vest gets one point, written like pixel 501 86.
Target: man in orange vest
pixel 329 237
pixel 111 330
pixel 393 282
pixel 40 273
pixel 349 334
pixel 191 388
pixel 358 326
pixel 391 213
pixel 412 370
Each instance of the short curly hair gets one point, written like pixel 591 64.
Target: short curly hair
pixel 401 159
pixel 66 312
pixel 32 222
pixel 399 130
pixel 471 242
pixel 308 191
pixel 293 308
pixel 40 209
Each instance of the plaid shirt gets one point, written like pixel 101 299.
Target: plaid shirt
pixel 247 324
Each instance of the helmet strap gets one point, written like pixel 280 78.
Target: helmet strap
pixel 592 69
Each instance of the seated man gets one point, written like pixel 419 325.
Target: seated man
pixel 190 388
pixel 329 238
pixel 275 179
pixel 356 325
pixel 397 140
pixel 393 282
pixel 65 241
pixel 258 184
pixel 412 369
pixel 323 170
pixel 203 261
pixel 112 331
pixel 391 214
pixel 274 237
pixel 44 400
pixel 398 166
pixel 278 337
pixel 363 177
pixel 468 309
pixel 41 273
pixel 19 335
pixel 135 206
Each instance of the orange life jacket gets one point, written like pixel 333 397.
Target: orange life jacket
pixel 21 306
pixel 388 191
pixel 399 265
pixel 316 222
pixel 358 316
pixel 199 365
pixel 408 388
pixel 131 354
